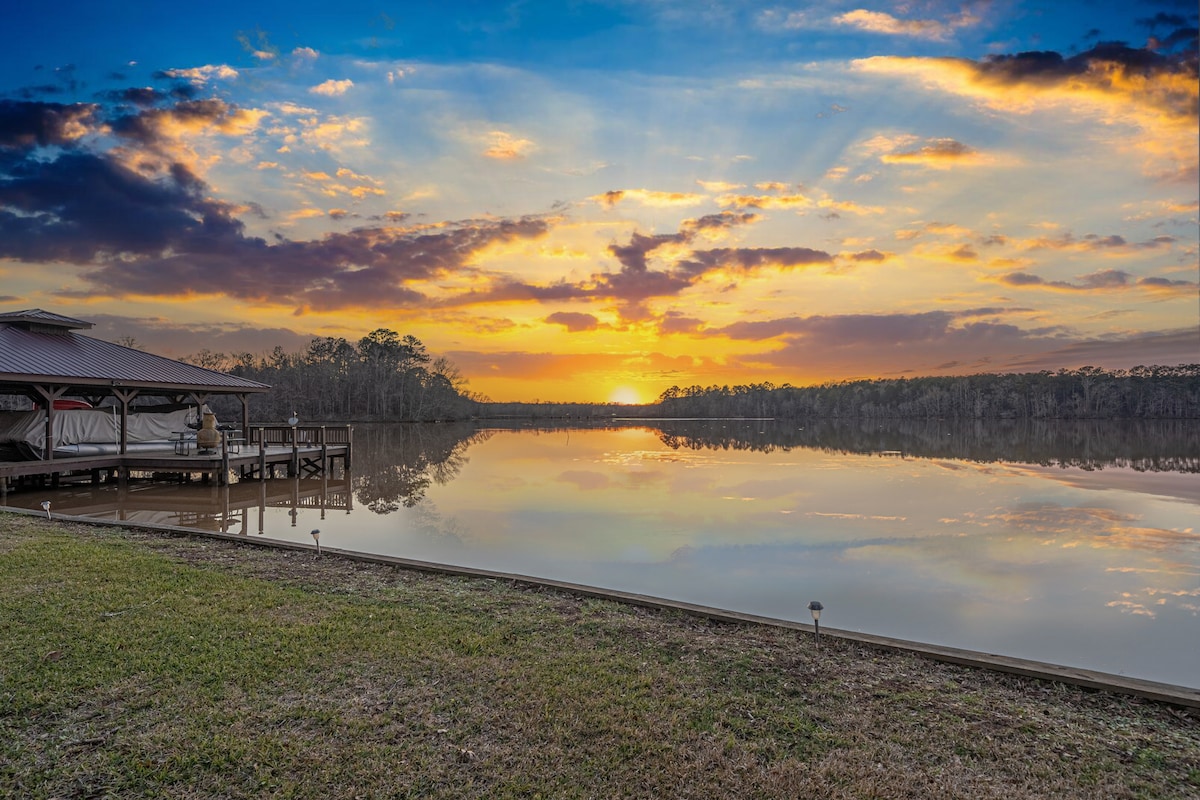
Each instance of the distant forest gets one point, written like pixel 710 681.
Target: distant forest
pixel 390 377
pixel 385 376
pixel 1087 393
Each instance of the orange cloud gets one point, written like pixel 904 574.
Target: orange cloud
pixel 1157 94
pixel 866 256
pixel 506 147
pixel 941 229
pixel 331 187
pixel 764 201
pixel 960 254
pixel 157 138
pixel 648 198
pixel 850 206
pixel 939 154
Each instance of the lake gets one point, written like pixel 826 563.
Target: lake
pixel 1071 543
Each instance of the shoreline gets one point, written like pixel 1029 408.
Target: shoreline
pixel 1184 696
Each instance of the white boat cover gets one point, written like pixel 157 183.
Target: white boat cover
pixel 74 430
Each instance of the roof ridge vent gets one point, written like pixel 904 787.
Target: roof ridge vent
pixel 36 320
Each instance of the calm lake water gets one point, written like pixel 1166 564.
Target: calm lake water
pixel 1073 544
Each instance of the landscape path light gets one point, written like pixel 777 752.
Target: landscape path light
pixel 316 534
pixel 815 609
pixel 46 508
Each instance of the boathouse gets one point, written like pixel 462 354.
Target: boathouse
pixel 45 358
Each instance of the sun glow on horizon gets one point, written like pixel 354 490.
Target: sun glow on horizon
pixel 626 395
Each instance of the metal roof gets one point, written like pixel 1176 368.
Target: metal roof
pixel 37 316
pixel 32 353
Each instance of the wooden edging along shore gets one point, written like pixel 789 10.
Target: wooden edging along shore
pixel 1088 679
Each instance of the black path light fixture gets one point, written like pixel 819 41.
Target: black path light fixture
pixel 316 534
pixel 815 608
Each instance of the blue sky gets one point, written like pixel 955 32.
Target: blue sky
pixel 595 200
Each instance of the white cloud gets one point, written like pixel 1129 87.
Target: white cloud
pixel 332 88
pixel 202 75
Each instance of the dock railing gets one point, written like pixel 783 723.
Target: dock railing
pixel 299 437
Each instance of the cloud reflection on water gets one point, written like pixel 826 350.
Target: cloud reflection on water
pixel 987 556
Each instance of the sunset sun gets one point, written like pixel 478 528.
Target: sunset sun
pixel 625 395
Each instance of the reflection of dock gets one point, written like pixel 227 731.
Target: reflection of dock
pixel 229 508
pixel 267 451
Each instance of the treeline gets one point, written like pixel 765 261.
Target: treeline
pixel 385 376
pixel 1144 445
pixel 1155 392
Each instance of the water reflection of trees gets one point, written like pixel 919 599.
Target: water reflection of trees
pixel 394 465
pixel 1146 445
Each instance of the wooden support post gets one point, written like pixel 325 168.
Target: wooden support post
pixel 245 415
pixel 324 451
pixel 48 395
pixel 294 464
pixel 223 478
pixel 262 504
pixel 125 396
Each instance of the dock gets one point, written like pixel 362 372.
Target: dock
pixel 263 452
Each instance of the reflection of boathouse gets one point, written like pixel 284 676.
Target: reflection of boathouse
pixel 90 413
pixel 232 508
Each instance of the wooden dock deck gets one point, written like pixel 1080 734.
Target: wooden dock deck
pixel 260 454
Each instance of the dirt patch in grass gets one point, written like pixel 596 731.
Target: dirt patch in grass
pixel 134 663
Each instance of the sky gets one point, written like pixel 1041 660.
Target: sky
pixel 578 200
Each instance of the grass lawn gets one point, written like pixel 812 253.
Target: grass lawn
pixel 136 664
